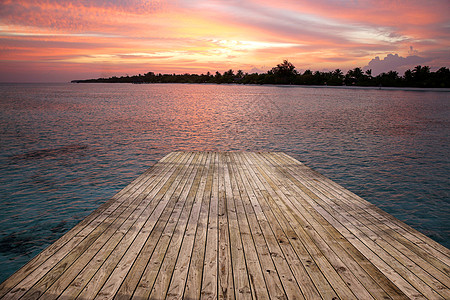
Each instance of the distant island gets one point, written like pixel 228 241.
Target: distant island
pixel 285 73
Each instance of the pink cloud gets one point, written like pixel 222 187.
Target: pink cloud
pixel 85 37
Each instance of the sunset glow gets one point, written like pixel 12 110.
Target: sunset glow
pixel 60 40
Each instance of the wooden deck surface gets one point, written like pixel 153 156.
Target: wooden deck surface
pixel 209 225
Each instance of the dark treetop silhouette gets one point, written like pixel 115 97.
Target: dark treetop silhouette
pixel 285 73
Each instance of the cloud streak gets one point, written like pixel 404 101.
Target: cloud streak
pixel 89 38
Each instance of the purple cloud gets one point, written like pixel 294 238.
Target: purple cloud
pixel 394 62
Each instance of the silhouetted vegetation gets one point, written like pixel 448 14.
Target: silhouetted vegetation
pixel 285 73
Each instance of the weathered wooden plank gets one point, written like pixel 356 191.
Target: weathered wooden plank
pixel 332 269
pixel 106 242
pixel 109 265
pixel 122 268
pixel 258 287
pixel 360 268
pixel 160 187
pixel 192 288
pixel 225 274
pixel 249 203
pixel 306 271
pixel 210 265
pixel 365 212
pixel 438 280
pixel 238 266
pixel 364 234
pixel 239 225
pixel 80 230
pixel 165 274
pixel 181 268
pixel 333 218
pixel 420 240
pixel 70 251
pixel 291 288
pixel 386 228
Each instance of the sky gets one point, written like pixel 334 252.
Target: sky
pixel 62 40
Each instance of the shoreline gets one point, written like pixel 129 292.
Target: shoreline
pixel 346 87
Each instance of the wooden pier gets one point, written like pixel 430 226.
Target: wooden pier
pixel 236 225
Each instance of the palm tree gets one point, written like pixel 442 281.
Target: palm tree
pixel 284 72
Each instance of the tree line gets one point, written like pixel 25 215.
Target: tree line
pixel 285 73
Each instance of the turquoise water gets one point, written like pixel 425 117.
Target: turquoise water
pixel 67 148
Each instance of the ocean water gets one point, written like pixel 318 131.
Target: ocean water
pixel 67 148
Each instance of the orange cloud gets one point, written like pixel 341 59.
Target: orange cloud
pixel 88 38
